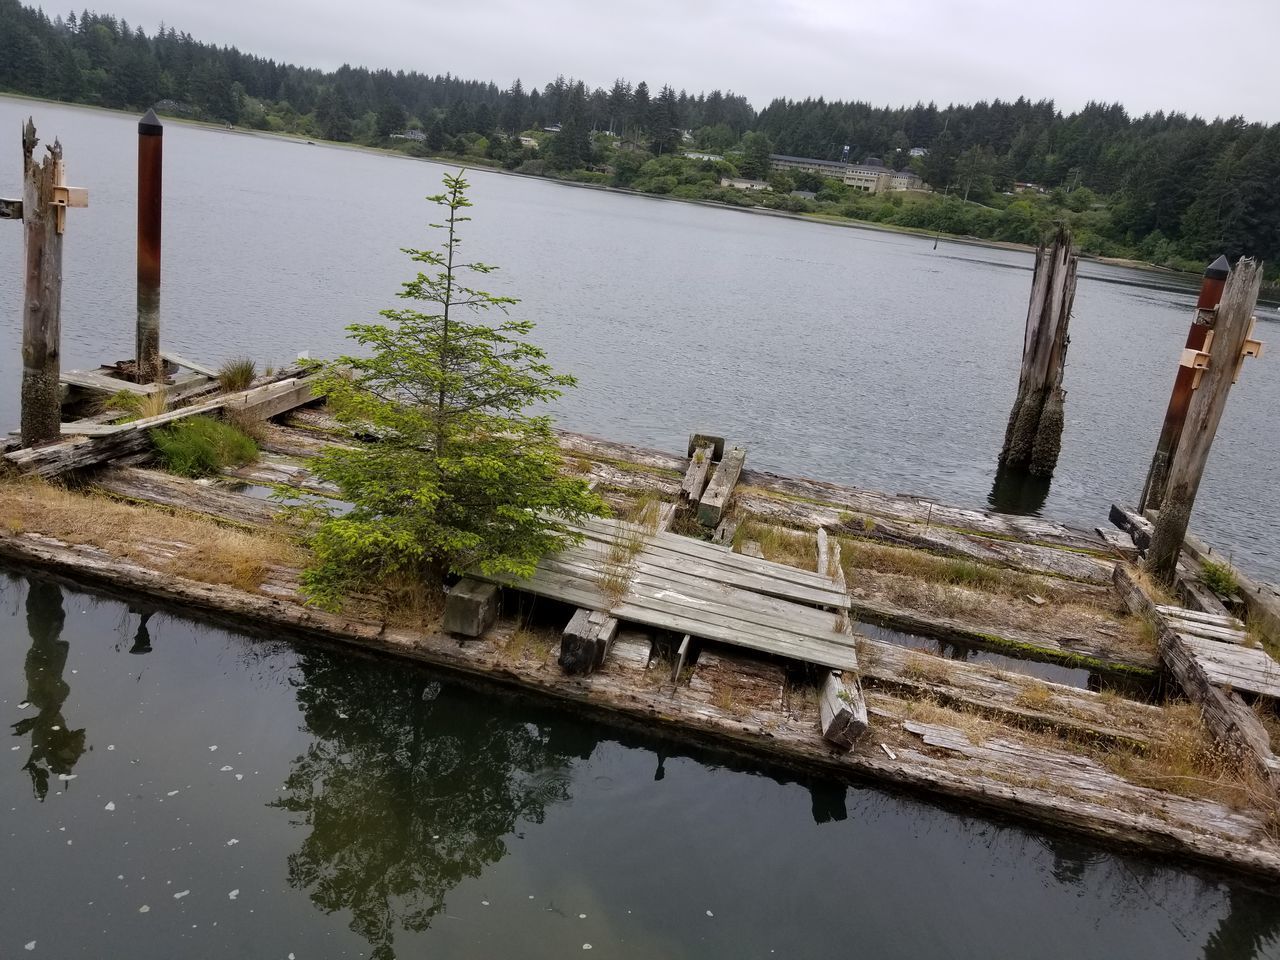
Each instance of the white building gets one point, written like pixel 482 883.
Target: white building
pixel 738 183
pixel 872 177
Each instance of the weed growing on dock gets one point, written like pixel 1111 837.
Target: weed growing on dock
pixel 1035 696
pixel 924 667
pixel 795 548
pixel 236 375
pixel 202 447
pixel 1219 577
pixel 618 567
pixel 249 423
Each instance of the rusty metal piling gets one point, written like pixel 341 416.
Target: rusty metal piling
pixel 150 176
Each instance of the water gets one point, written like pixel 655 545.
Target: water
pixel 360 807
pixel 850 355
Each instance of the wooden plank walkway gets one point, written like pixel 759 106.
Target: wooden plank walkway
pixel 688 587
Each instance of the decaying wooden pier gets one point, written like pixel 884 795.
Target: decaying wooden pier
pixel 804 623
pixel 1009 663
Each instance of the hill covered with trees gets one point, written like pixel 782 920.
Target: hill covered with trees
pixel 1166 187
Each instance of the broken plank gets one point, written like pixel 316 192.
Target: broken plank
pixel 695 477
pixel 101 383
pixel 203 369
pixel 716 497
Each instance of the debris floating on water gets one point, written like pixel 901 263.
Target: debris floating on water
pixel 29 946
pixel 233 894
pixel 226 768
pixel 232 842
pixel 111 805
pixel 710 914
pixel 144 909
pixel 180 894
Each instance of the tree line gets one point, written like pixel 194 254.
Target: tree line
pixel 1168 187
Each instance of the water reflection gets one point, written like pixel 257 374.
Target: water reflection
pixel 1018 492
pixel 406 794
pixel 1250 927
pixel 54 748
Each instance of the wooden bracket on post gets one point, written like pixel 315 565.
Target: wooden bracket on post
pixel 63 196
pixel 1198 360
pixel 10 209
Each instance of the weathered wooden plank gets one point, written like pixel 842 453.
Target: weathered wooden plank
pixel 41 408
pixel 1199 616
pixel 842 713
pixel 1221 634
pixel 695 477
pixel 1250 669
pixel 1013 554
pixel 101 383
pixel 178 493
pixel 697 549
pixel 1137 526
pixel 192 365
pixel 823 565
pixel 1121 545
pixel 716 497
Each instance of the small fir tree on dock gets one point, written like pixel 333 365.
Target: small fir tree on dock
pixel 459 476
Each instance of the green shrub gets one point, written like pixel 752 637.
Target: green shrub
pixel 1218 577
pixel 238 374
pixel 202 447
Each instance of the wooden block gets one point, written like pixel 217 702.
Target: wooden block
pixel 697 440
pixel 586 640
pixel 1138 527
pixel 751 548
pixel 726 531
pixel 842 709
pixel 471 607
pixel 202 369
pixel 720 489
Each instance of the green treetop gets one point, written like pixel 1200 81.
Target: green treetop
pixel 461 477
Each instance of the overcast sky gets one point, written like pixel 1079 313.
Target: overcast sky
pixel 1147 54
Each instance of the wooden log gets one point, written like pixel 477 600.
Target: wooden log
pixel 1230 331
pixel 42 300
pixel 716 497
pixel 587 640
pixel 470 608
pixel 842 713
pixel 1033 436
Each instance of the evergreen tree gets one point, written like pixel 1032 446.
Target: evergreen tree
pixel 463 476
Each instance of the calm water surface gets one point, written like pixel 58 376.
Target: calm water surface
pixel 171 789
pixel 850 355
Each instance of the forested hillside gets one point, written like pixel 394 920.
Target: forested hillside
pixel 1166 187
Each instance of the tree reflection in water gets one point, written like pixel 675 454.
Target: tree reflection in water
pixel 407 791
pixel 54 748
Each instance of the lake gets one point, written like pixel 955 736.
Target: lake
pixel 174 789
pixel 850 355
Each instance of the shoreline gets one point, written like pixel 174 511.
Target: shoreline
pixel 470 164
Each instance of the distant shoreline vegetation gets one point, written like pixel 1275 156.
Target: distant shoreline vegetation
pixel 1165 189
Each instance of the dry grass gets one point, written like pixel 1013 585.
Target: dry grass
pixel 249 423
pixel 1035 696
pixel 618 568
pixel 197 549
pixel 795 548
pixel 531 643
pixel 236 375
pixel 924 667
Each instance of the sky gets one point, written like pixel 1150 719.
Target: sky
pixel 1147 54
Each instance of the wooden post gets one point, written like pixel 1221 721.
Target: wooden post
pixel 1215 278
pixel 150 166
pixel 1033 437
pixel 45 198
pixel 1214 370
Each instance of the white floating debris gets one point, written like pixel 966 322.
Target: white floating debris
pixel 29 946
pixel 24 704
pixel 233 894
pixel 343 716
pixel 16 747
pixel 239 776
pixel 582 916
pixel 710 914
pixel 55 727
pixel 67 776
pixel 531 896
pixel 144 909
pixel 172 793
pixel 226 768
pixel 232 842
pixel 180 894
pixel 586 946
pixel 111 805
pixel 213 747
pixel 111 746
pixel 291 956
pixel 484 903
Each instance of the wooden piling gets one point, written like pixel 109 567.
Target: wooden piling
pixel 150 167
pixel 1033 437
pixel 42 305
pixel 1215 277
pixel 1225 351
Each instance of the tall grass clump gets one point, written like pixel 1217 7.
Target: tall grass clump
pixel 236 375
pixel 1219 577
pixel 202 447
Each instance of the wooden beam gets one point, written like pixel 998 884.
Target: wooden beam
pixel 1204 413
pixel 42 302
pixel 470 608
pixel 101 383
pixel 192 365
pixel 586 640
pixel 716 497
pixel 695 477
